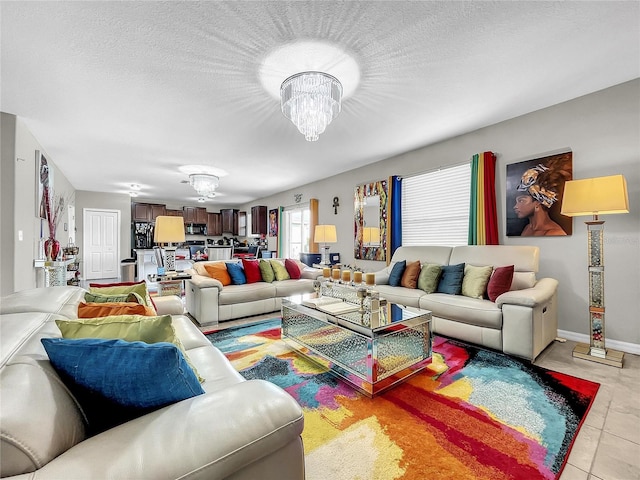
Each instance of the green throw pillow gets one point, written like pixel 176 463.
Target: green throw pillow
pixel 279 270
pixel 139 288
pixel 429 277
pixel 266 271
pixel 474 282
pixel 132 328
pixel 122 297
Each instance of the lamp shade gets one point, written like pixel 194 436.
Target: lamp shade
pixel 325 234
pixel 371 235
pixel 168 229
pixel 595 196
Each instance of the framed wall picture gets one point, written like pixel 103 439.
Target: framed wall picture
pixel 534 196
pixel 44 184
pixel 273 222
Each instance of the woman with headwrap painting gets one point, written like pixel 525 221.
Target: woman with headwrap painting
pixel 540 186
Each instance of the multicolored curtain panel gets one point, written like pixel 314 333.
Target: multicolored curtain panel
pixel 483 216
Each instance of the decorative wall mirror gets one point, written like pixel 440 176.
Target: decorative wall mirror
pixel 370 228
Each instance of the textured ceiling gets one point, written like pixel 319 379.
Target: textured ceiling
pixel 127 92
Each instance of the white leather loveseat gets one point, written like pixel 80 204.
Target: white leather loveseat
pixel 521 322
pixel 209 302
pixel 237 429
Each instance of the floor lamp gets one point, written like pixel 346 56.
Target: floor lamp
pixel 169 230
pixel 325 234
pixel 596 196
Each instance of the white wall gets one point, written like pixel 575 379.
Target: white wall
pixel 602 130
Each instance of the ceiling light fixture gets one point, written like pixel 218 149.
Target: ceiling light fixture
pixel 311 100
pixel 133 193
pixel 204 183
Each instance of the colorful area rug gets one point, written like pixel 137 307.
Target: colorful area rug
pixel 472 414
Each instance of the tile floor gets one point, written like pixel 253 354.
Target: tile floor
pixel 608 445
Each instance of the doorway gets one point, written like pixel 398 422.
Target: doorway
pixel 296 227
pixel 101 245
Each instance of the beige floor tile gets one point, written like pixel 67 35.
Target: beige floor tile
pixel 572 472
pixel 598 412
pixel 623 417
pixel 616 459
pixel 584 448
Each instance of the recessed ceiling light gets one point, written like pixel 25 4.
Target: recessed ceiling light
pixel 135 187
pixel 133 194
pixel 201 200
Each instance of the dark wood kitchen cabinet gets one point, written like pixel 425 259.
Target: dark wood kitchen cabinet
pixel 146 212
pixel 229 220
pixel 214 224
pixel 194 215
pixel 259 220
pixel 157 210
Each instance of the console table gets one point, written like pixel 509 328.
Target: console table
pixel 55 273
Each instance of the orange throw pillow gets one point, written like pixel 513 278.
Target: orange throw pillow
pixel 411 274
pixel 94 310
pixel 218 271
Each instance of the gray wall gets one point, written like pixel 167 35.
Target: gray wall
pixel 7 189
pixel 602 130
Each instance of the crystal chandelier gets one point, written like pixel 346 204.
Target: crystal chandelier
pixel 311 100
pixel 204 184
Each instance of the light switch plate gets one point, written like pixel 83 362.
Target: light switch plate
pixel 19 235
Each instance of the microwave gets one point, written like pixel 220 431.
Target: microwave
pixel 195 229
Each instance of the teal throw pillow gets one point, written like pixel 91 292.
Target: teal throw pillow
pixel 266 271
pixel 115 381
pixel 451 279
pixel 429 276
pixel 236 272
pixel 395 277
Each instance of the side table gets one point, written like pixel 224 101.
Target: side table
pixel 169 285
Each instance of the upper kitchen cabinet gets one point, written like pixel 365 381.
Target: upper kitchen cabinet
pixel 229 220
pixel 173 213
pixel 259 220
pixel 194 215
pixel 214 224
pixel 157 210
pixel 242 224
pixel 146 212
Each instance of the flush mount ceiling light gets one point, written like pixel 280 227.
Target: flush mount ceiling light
pixel 204 184
pixel 311 100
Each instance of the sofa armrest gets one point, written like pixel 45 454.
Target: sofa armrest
pixel 200 281
pixel 539 294
pixel 168 305
pixel 208 436
pixel 382 276
pixel 310 273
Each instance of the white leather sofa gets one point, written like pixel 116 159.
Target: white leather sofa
pixel 236 430
pixel 521 322
pixel 209 302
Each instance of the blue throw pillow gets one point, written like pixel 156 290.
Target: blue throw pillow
pixel 236 272
pixel 115 381
pixel 396 273
pixel 451 279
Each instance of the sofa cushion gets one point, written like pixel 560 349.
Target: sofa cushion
pixel 473 311
pixel 235 294
pixel 252 270
pixel 293 269
pixel 286 288
pixel 218 270
pixel 500 282
pixel 236 273
pixel 116 381
pixel 395 277
pixel 404 296
pixel 91 310
pixel 451 279
pixel 266 271
pixel 279 270
pixel 474 282
pixel 410 275
pixel 429 277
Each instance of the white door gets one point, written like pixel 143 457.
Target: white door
pixel 101 243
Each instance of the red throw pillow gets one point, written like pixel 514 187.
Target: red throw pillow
pixel 500 282
pixel 252 270
pixel 292 268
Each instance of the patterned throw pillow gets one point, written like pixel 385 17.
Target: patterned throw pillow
pixel 279 270
pixel 429 276
pixel 500 282
pixel 236 273
pixel 474 283
pixel 395 277
pixel 451 279
pixel 116 381
pixel 266 271
pixel 252 270
pixel 410 275
pixel 218 271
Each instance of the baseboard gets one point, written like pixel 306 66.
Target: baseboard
pixel 626 347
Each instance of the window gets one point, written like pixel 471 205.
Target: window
pixel 435 207
pixel 296 228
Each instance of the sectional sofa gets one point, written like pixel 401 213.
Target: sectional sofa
pixel 236 429
pixel 520 322
pixel 208 301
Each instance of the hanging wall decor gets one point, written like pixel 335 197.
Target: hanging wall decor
pixel 370 223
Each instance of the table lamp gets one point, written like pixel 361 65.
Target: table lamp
pixel 325 234
pixel 596 196
pixel 169 230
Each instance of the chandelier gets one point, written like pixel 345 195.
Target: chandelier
pixel 204 183
pixel 311 100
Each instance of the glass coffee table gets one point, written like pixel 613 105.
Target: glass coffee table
pixel 373 351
